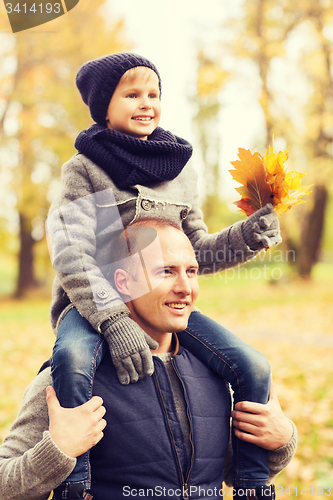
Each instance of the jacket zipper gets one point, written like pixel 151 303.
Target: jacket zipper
pixel 184 484
pixel 190 423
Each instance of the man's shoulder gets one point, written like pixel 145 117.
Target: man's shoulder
pixel 35 391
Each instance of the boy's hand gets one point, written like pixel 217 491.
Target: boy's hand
pixel 262 229
pixel 136 366
pixel 75 430
pixel 262 424
pixel 130 349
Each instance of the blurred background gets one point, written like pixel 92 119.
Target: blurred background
pixel 247 73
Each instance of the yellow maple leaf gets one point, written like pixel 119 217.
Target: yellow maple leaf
pixel 266 180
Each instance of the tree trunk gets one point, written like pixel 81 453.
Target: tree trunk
pixel 310 245
pixel 26 277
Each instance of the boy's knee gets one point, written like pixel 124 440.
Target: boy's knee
pixel 70 358
pixel 262 367
pixel 258 373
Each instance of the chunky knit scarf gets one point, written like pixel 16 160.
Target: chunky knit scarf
pixel 129 161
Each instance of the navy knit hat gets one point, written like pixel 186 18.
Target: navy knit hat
pixel 98 79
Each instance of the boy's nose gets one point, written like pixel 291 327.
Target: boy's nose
pixel 145 104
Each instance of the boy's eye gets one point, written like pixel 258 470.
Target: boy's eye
pixel 153 96
pixel 131 96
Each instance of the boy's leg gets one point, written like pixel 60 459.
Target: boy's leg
pixel 248 373
pixel 77 352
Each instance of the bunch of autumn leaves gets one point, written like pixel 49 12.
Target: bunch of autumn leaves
pixel 266 180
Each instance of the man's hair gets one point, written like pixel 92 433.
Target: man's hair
pixel 132 240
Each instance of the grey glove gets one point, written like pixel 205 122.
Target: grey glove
pixel 262 229
pixel 129 347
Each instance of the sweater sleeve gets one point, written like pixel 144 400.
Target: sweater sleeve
pixel 277 460
pixel 76 236
pixel 31 464
pixel 218 251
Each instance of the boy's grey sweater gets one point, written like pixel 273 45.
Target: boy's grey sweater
pixel 31 465
pixel 90 208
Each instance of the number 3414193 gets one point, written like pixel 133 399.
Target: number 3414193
pixel 35 8
pixel 305 491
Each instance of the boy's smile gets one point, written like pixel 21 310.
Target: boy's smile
pixel 135 107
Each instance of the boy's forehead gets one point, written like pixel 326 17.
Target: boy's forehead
pixel 139 75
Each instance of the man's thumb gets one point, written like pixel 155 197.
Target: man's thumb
pixel 51 399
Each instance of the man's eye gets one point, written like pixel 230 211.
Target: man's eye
pixel 167 272
pixel 192 272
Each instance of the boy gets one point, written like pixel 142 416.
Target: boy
pixel 129 169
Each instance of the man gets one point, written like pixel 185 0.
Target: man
pixel 166 436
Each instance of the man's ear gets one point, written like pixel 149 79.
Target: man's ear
pixel 121 281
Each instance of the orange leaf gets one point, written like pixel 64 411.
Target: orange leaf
pixel 250 170
pixel 266 181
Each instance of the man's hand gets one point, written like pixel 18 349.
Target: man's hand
pixel 262 425
pixel 75 430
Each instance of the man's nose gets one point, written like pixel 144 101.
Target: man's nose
pixel 182 284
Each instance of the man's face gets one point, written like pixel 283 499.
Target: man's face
pixel 173 283
pixel 135 107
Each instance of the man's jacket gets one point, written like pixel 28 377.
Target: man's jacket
pixel 143 451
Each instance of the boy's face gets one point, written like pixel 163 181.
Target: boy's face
pixel 135 107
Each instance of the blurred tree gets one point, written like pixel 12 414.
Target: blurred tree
pixel 266 25
pixel 262 38
pixel 42 111
pixel 318 143
pixel 210 81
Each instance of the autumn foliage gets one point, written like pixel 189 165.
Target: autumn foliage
pixel 266 180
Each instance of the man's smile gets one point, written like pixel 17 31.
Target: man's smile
pixel 177 305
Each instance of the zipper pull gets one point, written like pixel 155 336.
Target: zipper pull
pixel 185 493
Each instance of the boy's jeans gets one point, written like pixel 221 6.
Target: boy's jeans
pixel 77 352
pixel 79 349
pixel 248 373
